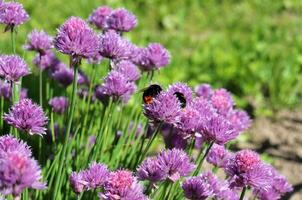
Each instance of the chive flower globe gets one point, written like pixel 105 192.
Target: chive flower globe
pixel 113 46
pixel 204 90
pixel 122 184
pixel 239 119
pixel 151 170
pixel 153 57
pixel 46 61
pixel 59 104
pixel 38 41
pixel 278 187
pixel 12 68
pixel 221 188
pixel 76 182
pixel 12 14
pixel 96 175
pixel 218 156
pixel 27 116
pixel 246 169
pixel 63 75
pixel 77 39
pixel 9 143
pixel 222 100
pixel 177 162
pixel 99 16
pixel 217 129
pixel 189 121
pixel 18 170
pixel 164 108
pixel 197 188
pixel 128 69
pixel 121 20
pixel 92 178
pixel 116 85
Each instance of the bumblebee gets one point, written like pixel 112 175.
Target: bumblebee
pixel 181 98
pixel 151 92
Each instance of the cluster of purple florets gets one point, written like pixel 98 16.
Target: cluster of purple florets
pixel 18 170
pixel 120 184
pixel 202 118
pixel 210 116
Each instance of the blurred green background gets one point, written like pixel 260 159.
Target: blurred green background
pixel 252 48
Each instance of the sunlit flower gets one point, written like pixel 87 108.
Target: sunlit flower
pixel 27 116
pixel 12 67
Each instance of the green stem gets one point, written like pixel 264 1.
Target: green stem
pixel 41 87
pixel 52 127
pixel 1 113
pixel 93 75
pixel 149 144
pixel 70 118
pixel 242 193
pixel 13 40
pixel 201 161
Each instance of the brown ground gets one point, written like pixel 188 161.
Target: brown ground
pixel 281 139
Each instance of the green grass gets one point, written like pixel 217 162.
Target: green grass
pixel 253 48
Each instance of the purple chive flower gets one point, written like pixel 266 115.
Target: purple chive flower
pixel 12 14
pixel 204 107
pixel 183 89
pixel 218 156
pixel 27 116
pixel 63 75
pixel 151 170
pixel 18 172
pixel 12 67
pixel 204 90
pixel 113 46
pixel 10 144
pixel 197 188
pixel 177 162
pixel 5 90
pixel 217 129
pixel 246 169
pixel 17 169
pixel 189 120
pixel 221 100
pixel 46 61
pixel 153 57
pixel 59 104
pixel 38 41
pixel 128 69
pixel 164 108
pixel 221 189
pixel 77 39
pixel 99 16
pixel 278 187
pixel 121 20
pixel 239 119
pixel 122 185
pixel 95 176
pixel 77 182
pixel 116 85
